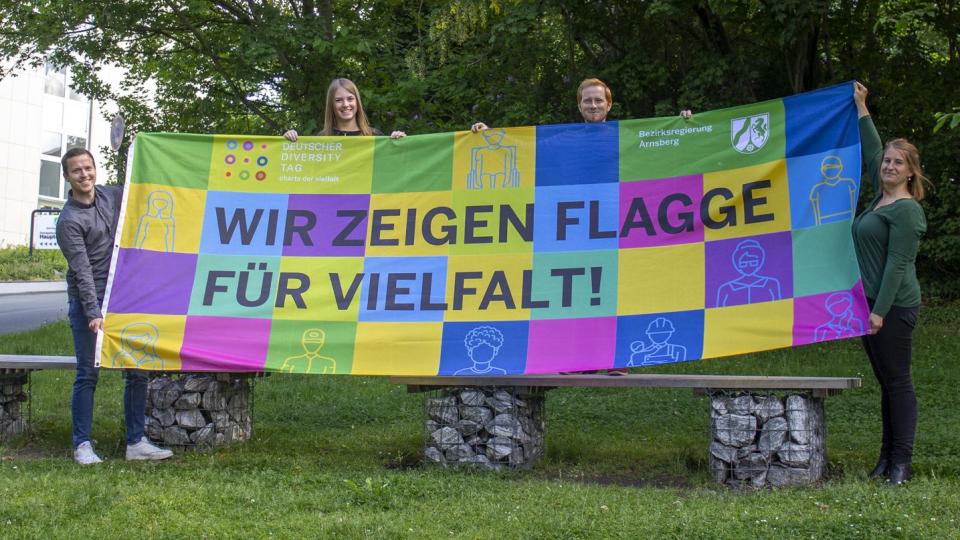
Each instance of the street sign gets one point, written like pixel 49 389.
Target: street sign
pixel 43 229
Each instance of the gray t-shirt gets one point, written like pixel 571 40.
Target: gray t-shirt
pixel 85 233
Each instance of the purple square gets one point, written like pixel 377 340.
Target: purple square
pixel 225 344
pixel 152 282
pixel 830 316
pixel 571 344
pixel 680 219
pixel 351 227
pixel 749 270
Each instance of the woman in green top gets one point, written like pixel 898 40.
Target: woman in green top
pixel 886 237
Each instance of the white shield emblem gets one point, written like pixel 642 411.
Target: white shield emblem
pixel 749 134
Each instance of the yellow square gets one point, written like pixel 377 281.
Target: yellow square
pixel 764 185
pixel 275 165
pixel 163 218
pixel 395 226
pixel 397 348
pixel 495 159
pixel 150 342
pixel 320 302
pixel 508 283
pixel 747 328
pixel 507 227
pixel 660 279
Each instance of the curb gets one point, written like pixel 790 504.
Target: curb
pixel 25 287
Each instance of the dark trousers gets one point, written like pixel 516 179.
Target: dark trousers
pixel 890 352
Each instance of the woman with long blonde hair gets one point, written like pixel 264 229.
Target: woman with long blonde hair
pixel 343 114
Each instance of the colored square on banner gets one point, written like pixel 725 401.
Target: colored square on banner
pixel 326 225
pixel 824 259
pixel 478 349
pixel 142 341
pixel 163 218
pixel 225 344
pixel 824 187
pixel 317 346
pixel 235 286
pixel 395 225
pixel 659 338
pixel 415 163
pixel 484 288
pixel 830 316
pixel 172 159
pixel 495 159
pixel 661 212
pixel 748 328
pixel 821 120
pixel 403 289
pixel 571 344
pixel 152 282
pixel 746 202
pixel 576 218
pixel 397 348
pixel 576 284
pixel 318 288
pixel 248 224
pixel 661 279
pixel 749 270
pixel 732 138
pixel 247 163
pixel 492 222
pixel 574 154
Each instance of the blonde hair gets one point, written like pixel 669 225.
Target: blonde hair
pixel 329 117
pixel 587 83
pixel 912 155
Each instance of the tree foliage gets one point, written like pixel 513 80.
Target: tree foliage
pixel 262 66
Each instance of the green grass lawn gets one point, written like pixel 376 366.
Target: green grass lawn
pixel 339 457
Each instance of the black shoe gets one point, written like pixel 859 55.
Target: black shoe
pixel 899 473
pixel 880 470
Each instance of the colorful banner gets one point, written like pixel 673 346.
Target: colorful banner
pixel 517 250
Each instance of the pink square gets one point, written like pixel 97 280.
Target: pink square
pixel 571 344
pixel 830 316
pixel 225 344
pixel 666 212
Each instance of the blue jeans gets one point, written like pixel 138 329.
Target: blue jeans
pixel 81 403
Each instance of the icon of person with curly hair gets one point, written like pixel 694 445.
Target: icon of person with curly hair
pixel 483 343
pixel 138 347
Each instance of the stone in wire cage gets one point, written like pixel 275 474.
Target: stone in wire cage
pixel 199 410
pixel 489 427
pixel 13 395
pixel 766 440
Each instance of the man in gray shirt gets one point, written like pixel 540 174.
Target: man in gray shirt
pixel 85 232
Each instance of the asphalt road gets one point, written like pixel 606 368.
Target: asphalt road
pixel 22 312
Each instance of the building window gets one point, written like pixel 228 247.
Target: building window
pixel 66 125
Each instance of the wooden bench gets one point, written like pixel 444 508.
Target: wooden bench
pixel 764 430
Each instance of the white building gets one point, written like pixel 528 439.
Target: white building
pixel 41 117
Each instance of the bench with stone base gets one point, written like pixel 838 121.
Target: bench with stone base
pixel 765 431
pixel 183 410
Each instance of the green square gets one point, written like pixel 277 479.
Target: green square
pixel 824 259
pixel 411 164
pixel 668 147
pixel 172 159
pixel 244 283
pixel 294 346
pixel 550 287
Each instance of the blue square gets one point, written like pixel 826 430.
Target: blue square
pixel 576 218
pixel 659 338
pixel 569 154
pixel 483 348
pixel 820 120
pixel 404 288
pixel 244 223
pixel 824 187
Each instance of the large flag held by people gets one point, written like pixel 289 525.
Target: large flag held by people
pixel 514 250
